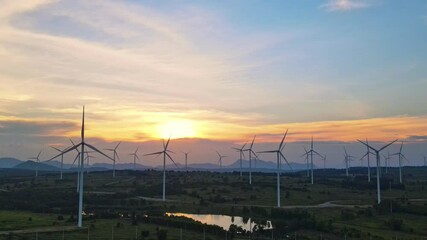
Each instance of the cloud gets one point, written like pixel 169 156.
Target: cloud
pixel 36 128
pixel 344 5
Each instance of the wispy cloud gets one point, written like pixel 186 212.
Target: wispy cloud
pixel 344 5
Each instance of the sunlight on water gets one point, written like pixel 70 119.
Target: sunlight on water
pixel 223 221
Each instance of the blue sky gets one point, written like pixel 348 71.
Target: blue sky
pixel 214 70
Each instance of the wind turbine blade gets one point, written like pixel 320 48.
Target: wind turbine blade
pixel 244 145
pixel 118 158
pixel 286 160
pixel 156 153
pixel 117 145
pixel 69 150
pixel 167 154
pixel 318 154
pixel 219 155
pixel 83 123
pixel 252 144
pixel 281 149
pixel 167 143
pixel 95 149
pixel 57 149
pixel 237 149
pixel 283 139
pixel 367 145
pixel 77 157
pixel 405 157
pixel 366 154
pixel 170 151
pixel 387 145
pixel 273 151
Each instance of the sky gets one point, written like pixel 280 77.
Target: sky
pixel 212 74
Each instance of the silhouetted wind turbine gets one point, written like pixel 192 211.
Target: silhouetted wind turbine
pixel 377 153
pixel 135 157
pixel 37 162
pixel 62 158
pixel 82 144
pixel 240 150
pixel 367 154
pixel 88 157
pixel 186 160
pixel 425 160
pixel 279 155
pixel 114 150
pixel 401 155
pixel 347 160
pixel 306 159
pixel 220 157
pixel 311 158
pixel 165 153
pixel 250 159
pixel 324 161
pixel 386 161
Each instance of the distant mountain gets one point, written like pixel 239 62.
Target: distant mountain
pixel 31 165
pixel 9 162
pixel 58 164
pixel 260 166
pixel 120 166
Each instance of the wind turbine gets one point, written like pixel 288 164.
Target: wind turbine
pixel 135 157
pixel 165 153
pixel 240 150
pixel 114 150
pixel 367 154
pixel 348 158
pixel 220 157
pixel 88 157
pixel 186 160
pixel 37 162
pixel 386 160
pixel 306 159
pixel 377 153
pixel 401 155
pixel 82 144
pixel 311 158
pixel 324 161
pixel 425 160
pixel 62 158
pixel 279 155
pixel 250 159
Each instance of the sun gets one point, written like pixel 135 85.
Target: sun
pixel 177 129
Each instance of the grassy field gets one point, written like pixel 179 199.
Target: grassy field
pixel 29 203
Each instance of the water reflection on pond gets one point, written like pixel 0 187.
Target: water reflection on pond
pixel 225 221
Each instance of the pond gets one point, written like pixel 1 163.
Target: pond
pixel 224 221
